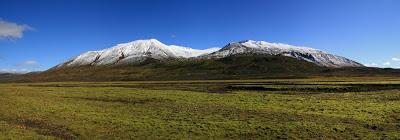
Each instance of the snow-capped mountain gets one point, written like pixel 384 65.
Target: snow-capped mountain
pixel 140 50
pixel 302 53
pixel 135 51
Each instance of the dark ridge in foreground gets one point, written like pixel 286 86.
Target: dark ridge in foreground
pixel 245 66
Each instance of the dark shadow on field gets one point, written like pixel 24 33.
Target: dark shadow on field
pixel 122 100
pixel 335 88
pixel 227 87
pixel 42 127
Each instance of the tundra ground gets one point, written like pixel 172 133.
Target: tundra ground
pixel 319 108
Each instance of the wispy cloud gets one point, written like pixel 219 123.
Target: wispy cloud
pixel 27 63
pixel 14 71
pixel 10 30
pixel 371 65
pixel 395 59
pixel 22 67
pixel 387 63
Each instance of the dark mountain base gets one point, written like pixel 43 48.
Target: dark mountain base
pixel 233 67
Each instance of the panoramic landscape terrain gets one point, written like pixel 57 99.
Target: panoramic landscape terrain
pixel 181 70
pixel 241 91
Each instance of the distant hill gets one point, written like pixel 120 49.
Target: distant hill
pixel 8 76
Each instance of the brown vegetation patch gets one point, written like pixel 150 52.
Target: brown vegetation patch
pixel 122 100
pixel 44 128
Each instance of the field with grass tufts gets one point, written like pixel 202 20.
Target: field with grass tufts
pixel 316 108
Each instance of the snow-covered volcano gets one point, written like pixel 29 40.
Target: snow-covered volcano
pixel 140 50
pixel 134 51
pixel 302 53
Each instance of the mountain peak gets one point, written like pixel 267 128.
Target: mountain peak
pixel 152 40
pixel 144 43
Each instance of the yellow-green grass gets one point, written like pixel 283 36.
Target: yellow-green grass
pixel 132 110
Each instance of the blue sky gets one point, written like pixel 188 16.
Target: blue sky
pixel 36 35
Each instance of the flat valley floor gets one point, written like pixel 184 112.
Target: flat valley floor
pixel 316 108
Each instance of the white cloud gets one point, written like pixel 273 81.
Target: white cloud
pixel 386 63
pixel 7 70
pixel 10 30
pixel 23 67
pixel 371 65
pixel 395 59
pixel 28 63
pixel 14 71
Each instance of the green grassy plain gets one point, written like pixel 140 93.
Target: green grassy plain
pixel 327 108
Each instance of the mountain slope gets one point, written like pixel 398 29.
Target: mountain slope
pixel 133 52
pixel 302 53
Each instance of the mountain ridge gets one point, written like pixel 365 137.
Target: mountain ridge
pixel 140 50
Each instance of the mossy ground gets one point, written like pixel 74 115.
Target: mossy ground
pixel 199 110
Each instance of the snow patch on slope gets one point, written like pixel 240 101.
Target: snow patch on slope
pixel 186 52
